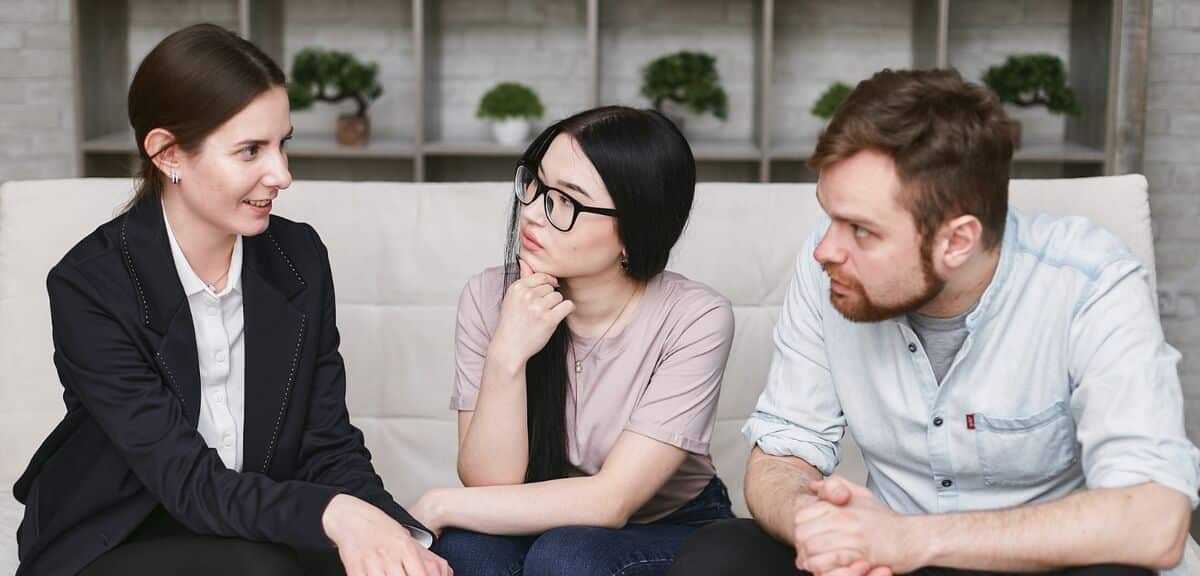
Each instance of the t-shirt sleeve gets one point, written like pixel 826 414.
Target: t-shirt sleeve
pixel 478 310
pixel 679 405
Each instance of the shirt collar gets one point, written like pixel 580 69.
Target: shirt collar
pixel 984 308
pixel 192 284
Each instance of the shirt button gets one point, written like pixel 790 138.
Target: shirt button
pixel 947 483
pixel 229 443
pixel 220 356
pixel 912 347
pixel 212 311
pixel 937 421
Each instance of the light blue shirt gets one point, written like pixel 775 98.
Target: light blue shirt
pixel 1064 382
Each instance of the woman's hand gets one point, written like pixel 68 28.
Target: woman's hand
pixel 531 310
pixel 370 542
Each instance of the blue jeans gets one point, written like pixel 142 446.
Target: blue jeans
pixel 636 549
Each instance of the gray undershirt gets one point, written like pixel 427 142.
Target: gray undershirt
pixel 941 338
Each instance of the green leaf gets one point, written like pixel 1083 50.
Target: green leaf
pixel 510 100
pixel 829 101
pixel 332 76
pixel 686 78
pixel 1027 80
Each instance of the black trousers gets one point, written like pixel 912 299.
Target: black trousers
pixel 734 547
pixel 161 545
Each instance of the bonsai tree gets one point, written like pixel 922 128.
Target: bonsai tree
pixel 829 101
pixel 510 100
pixel 686 78
pixel 332 76
pixel 1027 80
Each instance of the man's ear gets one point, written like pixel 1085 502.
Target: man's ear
pixel 960 236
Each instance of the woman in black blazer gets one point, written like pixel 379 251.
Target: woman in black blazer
pixel 206 428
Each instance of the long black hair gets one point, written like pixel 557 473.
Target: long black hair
pixel 648 168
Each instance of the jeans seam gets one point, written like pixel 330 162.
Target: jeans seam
pixel 639 563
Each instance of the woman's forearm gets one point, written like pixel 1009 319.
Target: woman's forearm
pixel 495 447
pixel 530 508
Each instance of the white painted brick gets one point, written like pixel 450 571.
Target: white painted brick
pixel 1158 121
pixel 1159 175
pixel 1175 203
pixel 219 11
pixel 12 93
pixel 1175 68
pixel 1162 14
pixel 35 64
pixel 1174 257
pixel 27 11
pixel 986 12
pixel 472 11
pixel 1173 148
pixel 823 14
pixel 30 116
pixel 1041 11
pixel 1185 124
pixel 1175 41
pixel 50 91
pixel 1183 333
pixel 49 36
pixel 1174 96
pixel 1185 178
pixel 1187 15
pixel 566 14
pixel 35 169
pixel 11 37
pixel 1178 228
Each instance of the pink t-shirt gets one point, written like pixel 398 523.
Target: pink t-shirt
pixel 660 377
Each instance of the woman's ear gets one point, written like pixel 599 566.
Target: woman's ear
pixel 160 146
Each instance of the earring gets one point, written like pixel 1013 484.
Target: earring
pixel 625 262
pixel 174 177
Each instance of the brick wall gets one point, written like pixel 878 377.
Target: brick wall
pixel 1172 163
pixel 37 118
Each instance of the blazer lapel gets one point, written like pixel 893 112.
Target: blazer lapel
pixel 274 336
pixel 162 304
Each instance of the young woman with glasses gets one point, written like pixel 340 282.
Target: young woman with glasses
pixel 586 376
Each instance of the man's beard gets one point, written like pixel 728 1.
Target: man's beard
pixel 862 309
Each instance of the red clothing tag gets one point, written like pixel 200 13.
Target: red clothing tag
pixel 970 421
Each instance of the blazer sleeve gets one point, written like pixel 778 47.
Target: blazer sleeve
pixel 120 388
pixel 332 450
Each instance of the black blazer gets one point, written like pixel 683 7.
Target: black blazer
pixel 125 351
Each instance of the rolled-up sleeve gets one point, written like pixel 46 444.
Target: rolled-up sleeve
pixel 1127 402
pixel 798 413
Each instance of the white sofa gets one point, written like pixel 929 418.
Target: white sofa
pixel 401 254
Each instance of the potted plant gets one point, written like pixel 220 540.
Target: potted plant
pixel 829 101
pixel 333 76
pixel 688 80
pixel 1028 80
pixel 510 106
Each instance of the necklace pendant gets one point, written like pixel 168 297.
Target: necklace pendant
pixel 578 366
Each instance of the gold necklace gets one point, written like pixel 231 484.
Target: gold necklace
pixel 213 285
pixel 575 355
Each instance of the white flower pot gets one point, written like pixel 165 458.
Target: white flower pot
pixel 511 131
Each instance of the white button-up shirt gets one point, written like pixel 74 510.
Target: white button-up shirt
pixel 221 348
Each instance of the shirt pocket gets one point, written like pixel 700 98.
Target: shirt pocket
pixel 1022 452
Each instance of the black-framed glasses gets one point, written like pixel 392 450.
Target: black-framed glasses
pixel 561 209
